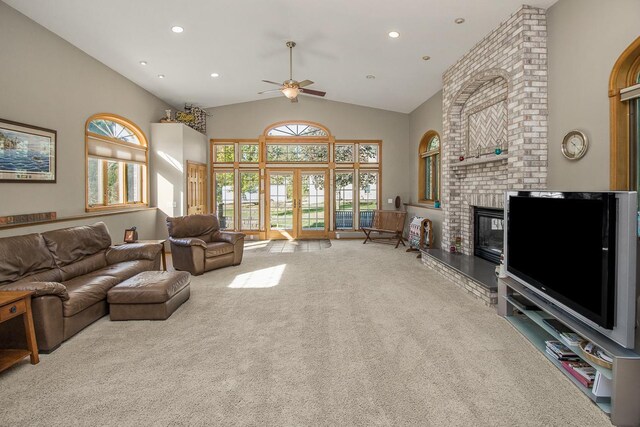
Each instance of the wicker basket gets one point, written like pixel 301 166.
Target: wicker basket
pixel 593 358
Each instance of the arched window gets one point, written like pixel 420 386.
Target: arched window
pixel 297 129
pixel 117 161
pixel 429 167
pixel 624 96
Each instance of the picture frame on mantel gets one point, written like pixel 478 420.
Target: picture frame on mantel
pixel 27 153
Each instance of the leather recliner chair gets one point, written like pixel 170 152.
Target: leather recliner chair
pixel 198 245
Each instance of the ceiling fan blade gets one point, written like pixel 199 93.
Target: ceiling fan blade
pixel 312 92
pixel 305 83
pixel 270 91
pixel 294 99
pixel 273 83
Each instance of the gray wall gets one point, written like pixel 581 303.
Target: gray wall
pixel 427 116
pixel 345 121
pixel 47 82
pixel 585 38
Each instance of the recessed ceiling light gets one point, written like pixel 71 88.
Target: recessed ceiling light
pixel 394 34
pixel 426 57
pixel 161 76
pixel 143 63
pixel 177 29
pixel 215 75
pixel 459 20
pixel 371 76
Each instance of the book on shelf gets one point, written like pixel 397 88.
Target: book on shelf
pixel 581 371
pixel 562 358
pixel 560 349
pixel 571 338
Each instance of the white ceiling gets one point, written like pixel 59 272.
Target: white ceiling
pixel 339 43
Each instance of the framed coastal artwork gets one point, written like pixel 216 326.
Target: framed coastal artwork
pixel 27 153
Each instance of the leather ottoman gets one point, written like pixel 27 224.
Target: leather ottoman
pixel 150 295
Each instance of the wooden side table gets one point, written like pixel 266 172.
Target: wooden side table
pixel 13 304
pixel 164 255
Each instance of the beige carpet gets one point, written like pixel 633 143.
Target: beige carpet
pixel 349 335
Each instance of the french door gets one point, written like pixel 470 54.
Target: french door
pixel 297 203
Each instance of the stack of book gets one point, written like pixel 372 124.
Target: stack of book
pixel 571 338
pixel 561 352
pixel 581 371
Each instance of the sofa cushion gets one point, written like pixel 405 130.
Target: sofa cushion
pixel 87 265
pixel 23 255
pixel 86 290
pixel 201 226
pixel 52 275
pixel 217 249
pixel 73 244
pixel 124 270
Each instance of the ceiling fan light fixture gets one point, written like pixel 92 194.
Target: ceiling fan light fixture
pixel 290 92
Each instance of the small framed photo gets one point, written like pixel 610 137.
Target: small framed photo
pixel 27 153
pixel 130 235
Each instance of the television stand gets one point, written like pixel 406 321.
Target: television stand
pixel 623 406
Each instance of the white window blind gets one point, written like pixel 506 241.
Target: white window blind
pixel 631 92
pixel 118 151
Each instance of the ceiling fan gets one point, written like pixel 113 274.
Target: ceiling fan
pixel 292 88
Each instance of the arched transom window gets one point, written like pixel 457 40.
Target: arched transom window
pixel 429 167
pixel 297 129
pixel 117 160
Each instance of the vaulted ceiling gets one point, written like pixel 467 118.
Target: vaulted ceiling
pixel 339 43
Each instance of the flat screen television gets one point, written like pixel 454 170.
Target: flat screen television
pixel 578 251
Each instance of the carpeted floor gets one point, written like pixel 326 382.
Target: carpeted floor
pixel 350 335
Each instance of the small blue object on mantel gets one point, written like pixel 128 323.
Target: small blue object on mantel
pixel 498 151
pixel 436 204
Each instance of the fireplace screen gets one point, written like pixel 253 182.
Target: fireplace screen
pixel 489 234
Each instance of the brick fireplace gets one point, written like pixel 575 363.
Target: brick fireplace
pixel 495 120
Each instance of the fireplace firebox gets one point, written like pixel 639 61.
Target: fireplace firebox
pixel 488 233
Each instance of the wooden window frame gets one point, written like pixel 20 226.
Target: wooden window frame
pixel 144 176
pixel 622 154
pixel 423 156
pixel 263 166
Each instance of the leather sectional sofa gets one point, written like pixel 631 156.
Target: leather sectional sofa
pixel 70 271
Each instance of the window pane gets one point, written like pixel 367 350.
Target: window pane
pixel 249 153
pixel 224 198
pixel 297 129
pixel 427 178
pixel 113 130
pixel 250 200
pixel 344 154
pixel 314 153
pixel 344 200
pixel 368 153
pixel 313 186
pixel 277 153
pixel 436 177
pixel 115 191
pixel 297 153
pixel 368 197
pixel 434 144
pixel 95 182
pixel 134 183
pixel 225 153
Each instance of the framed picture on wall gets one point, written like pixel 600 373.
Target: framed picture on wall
pixel 27 153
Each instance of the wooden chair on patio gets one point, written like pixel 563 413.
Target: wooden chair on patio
pixel 389 224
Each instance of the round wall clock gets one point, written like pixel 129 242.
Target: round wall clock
pixel 575 145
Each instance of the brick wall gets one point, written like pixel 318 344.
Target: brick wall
pixel 508 66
